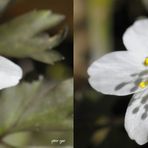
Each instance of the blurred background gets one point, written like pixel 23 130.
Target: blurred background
pixel 98 29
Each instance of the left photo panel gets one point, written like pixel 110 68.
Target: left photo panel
pixel 36 73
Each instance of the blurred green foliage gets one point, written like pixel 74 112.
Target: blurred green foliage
pixel 36 106
pixel 23 37
pixel 34 113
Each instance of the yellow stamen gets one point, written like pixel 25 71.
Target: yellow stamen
pixel 146 61
pixel 143 84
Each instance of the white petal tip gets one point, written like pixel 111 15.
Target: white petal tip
pixel 10 73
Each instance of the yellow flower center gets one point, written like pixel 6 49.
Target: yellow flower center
pixel 146 61
pixel 143 84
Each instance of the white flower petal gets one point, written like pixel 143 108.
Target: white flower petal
pixel 136 118
pixel 116 73
pixel 10 73
pixel 135 37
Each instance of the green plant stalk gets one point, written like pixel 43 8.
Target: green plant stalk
pixel 99 20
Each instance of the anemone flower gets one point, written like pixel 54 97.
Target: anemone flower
pixel 126 72
pixel 10 73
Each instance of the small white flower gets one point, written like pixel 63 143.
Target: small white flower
pixel 10 73
pixel 126 72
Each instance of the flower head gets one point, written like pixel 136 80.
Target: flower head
pixel 10 73
pixel 126 72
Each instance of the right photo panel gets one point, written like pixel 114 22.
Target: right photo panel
pixel 111 73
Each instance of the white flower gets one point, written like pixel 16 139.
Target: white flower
pixel 10 73
pixel 126 72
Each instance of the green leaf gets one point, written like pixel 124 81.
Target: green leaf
pixel 49 57
pixel 38 139
pixel 37 106
pixel 16 140
pixel 29 25
pixel 30 47
pixel 23 37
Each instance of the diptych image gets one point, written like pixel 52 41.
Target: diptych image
pixel 73 73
